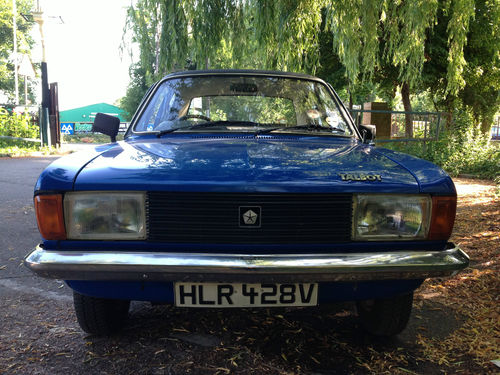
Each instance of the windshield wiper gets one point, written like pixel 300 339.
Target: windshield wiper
pixel 303 127
pixel 190 127
pixel 214 124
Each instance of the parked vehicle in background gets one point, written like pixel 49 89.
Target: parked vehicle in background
pixel 495 130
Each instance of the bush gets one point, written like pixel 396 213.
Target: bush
pixel 88 138
pixel 461 150
pixel 18 125
pixel 15 147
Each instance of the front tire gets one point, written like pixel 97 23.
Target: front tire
pixel 100 316
pixel 385 317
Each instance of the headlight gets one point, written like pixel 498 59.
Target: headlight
pixel 105 215
pixel 392 217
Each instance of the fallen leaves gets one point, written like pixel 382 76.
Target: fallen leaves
pixel 474 293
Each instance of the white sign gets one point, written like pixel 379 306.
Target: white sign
pixel 67 128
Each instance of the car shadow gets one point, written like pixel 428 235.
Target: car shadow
pixel 320 340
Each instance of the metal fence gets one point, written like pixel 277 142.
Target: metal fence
pixel 425 126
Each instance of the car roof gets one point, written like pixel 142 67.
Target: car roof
pixel 252 72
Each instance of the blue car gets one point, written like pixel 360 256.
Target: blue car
pixel 243 189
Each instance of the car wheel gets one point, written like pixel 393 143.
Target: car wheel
pixel 100 316
pixel 385 317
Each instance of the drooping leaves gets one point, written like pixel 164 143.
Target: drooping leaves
pixel 285 35
pixel 461 13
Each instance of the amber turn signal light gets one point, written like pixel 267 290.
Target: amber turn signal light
pixel 444 210
pixel 49 216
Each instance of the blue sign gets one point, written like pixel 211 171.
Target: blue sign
pixel 67 128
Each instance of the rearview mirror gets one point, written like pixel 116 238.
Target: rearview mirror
pixel 368 133
pixel 106 124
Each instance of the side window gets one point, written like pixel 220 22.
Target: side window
pixel 147 121
pixel 163 109
pixel 333 117
pixel 196 106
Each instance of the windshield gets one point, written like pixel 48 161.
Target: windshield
pixel 242 103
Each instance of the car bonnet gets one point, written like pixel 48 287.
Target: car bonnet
pixel 245 163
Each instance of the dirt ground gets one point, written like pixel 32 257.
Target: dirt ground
pixel 454 326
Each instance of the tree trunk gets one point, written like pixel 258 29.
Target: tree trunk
pixel 486 124
pixel 405 94
pixel 449 103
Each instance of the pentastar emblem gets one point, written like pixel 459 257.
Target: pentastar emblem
pixel 360 177
pixel 250 217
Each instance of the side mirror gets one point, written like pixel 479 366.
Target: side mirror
pixel 368 133
pixel 106 124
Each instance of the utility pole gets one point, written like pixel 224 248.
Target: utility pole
pixel 44 112
pixel 47 115
pixel 14 26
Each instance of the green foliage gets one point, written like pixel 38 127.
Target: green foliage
pixel 24 40
pixel 406 35
pixel 206 30
pixel 289 32
pixel 463 150
pixel 479 73
pixel 18 125
pixel 160 33
pixel 285 34
pixel 135 91
pixel 14 147
pixel 89 138
pixel 482 72
pixel 422 102
pixel 366 48
pixel 330 67
pixel 462 11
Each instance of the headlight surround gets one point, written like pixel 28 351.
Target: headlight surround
pixel 391 217
pixel 105 215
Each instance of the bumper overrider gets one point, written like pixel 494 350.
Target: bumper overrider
pixel 162 266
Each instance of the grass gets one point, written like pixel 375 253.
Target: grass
pixel 88 138
pixel 18 148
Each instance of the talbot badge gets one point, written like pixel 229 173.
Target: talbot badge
pixel 360 177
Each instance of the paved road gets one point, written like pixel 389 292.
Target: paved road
pixel 18 229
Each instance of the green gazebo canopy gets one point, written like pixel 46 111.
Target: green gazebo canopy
pixel 87 113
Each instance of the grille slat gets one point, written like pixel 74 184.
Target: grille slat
pixel 214 218
pixel 255 231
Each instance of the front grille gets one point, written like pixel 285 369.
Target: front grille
pixel 215 218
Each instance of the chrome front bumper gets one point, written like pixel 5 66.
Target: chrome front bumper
pixel 157 266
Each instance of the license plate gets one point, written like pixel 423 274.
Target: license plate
pixel 245 295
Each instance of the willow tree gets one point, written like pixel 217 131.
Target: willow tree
pixel 24 40
pixel 366 35
pixel 481 92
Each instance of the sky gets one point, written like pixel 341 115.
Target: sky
pixel 83 53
